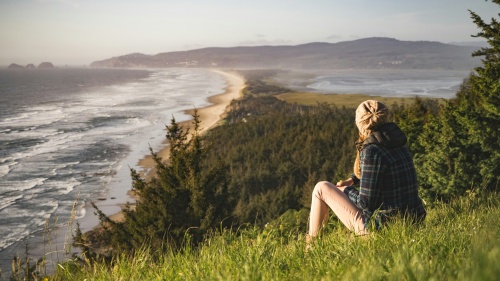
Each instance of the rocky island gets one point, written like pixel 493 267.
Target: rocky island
pixel 41 65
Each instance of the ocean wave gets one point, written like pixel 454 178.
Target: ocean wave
pixel 12 236
pixel 31 133
pixel 22 185
pixel 51 145
pixel 7 201
pixel 4 170
pixel 37 116
pixel 16 118
pixel 68 186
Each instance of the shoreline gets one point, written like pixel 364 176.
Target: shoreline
pixel 209 117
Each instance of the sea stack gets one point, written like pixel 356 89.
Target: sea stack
pixel 30 66
pixel 46 65
pixel 15 66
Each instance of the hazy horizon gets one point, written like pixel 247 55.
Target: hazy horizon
pixel 77 32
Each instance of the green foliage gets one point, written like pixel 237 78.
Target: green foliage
pixel 277 152
pixel 255 84
pixel 459 149
pixel 260 87
pixel 458 241
pixel 411 120
pixel 486 124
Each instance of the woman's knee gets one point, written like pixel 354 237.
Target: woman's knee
pixel 319 187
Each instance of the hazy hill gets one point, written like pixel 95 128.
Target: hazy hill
pixel 362 53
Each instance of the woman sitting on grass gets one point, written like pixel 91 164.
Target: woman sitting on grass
pixel 384 171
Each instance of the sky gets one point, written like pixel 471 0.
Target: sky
pixel 78 32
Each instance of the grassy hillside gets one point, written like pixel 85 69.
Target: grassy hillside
pixel 458 241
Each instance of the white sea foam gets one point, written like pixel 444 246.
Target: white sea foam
pixel 6 201
pixel 4 169
pixel 55 143
pixel 16 118
pixel 32 133
pixel 22 185
pixel 12 236
pixel 68 186
pixel 37 116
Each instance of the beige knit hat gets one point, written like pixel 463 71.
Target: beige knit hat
pixel 370 114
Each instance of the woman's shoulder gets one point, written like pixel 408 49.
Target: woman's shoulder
pixel 373 150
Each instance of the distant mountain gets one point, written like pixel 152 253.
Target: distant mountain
pixel 368 53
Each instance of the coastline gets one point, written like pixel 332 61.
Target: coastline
pixel 209 117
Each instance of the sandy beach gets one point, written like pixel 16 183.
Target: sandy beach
pixel 209 117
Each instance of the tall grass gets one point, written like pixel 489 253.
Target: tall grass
pixel 458 241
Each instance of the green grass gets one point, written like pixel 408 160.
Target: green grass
pixel 458 241
pixel 347 100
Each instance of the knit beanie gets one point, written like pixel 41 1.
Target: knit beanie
pixel 369 115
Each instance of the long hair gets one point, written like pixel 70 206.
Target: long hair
pixel 357 162
pixel 369 115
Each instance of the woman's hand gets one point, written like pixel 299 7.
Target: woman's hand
pixel 345 183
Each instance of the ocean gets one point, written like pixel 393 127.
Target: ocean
pixel 68 137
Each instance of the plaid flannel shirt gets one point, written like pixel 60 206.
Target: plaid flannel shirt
pixel 388 183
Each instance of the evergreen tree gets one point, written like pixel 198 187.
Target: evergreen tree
pixel 462 143
pixel 486 127
pixel 181 204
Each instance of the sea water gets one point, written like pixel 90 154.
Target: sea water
pixel 384 82
pixel 69 136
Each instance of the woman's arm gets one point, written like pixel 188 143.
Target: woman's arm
pixel 372 167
